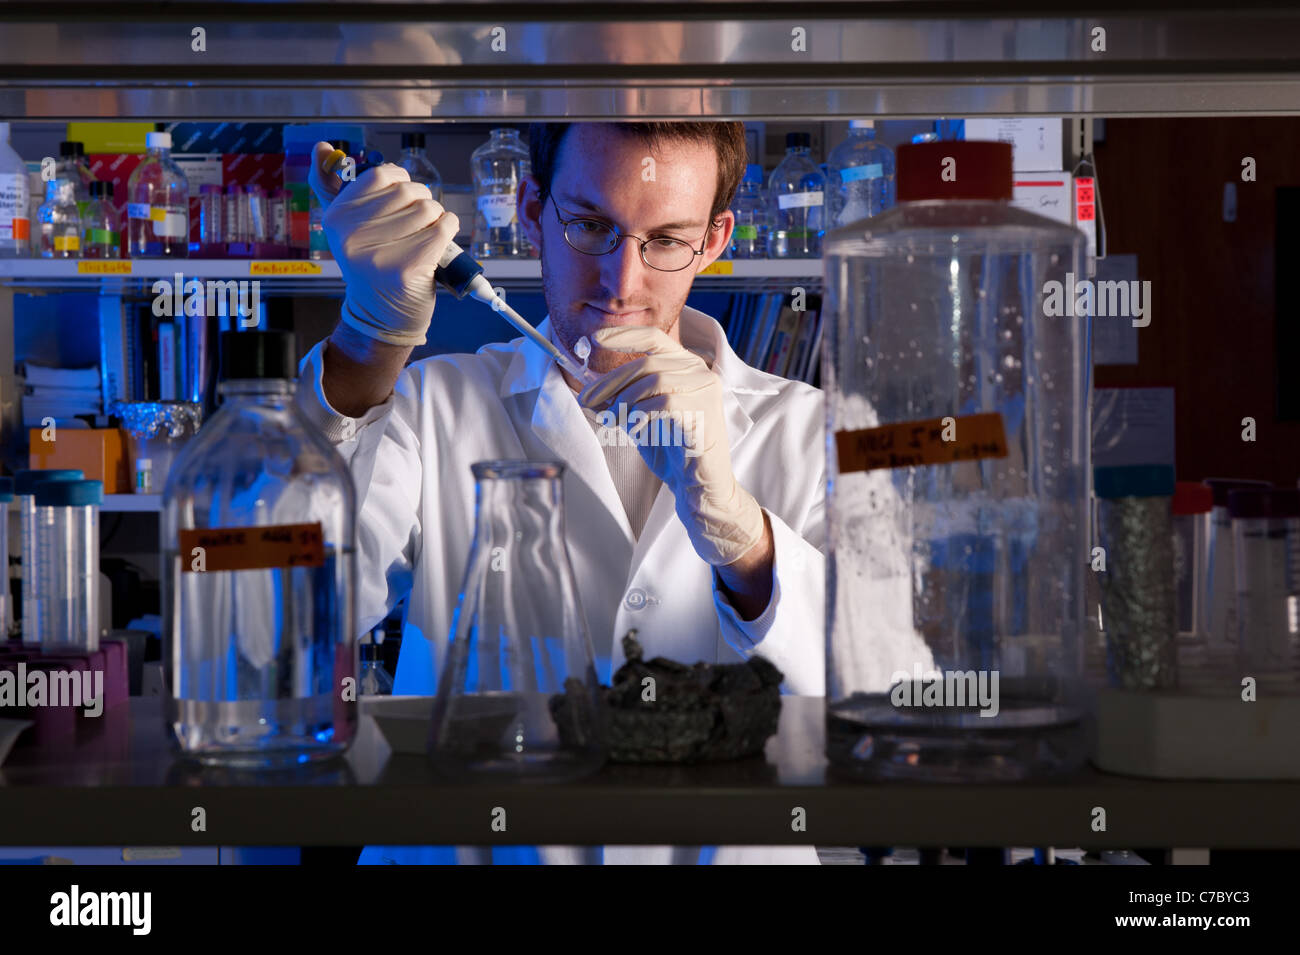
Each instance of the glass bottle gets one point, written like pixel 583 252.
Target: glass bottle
pixel 60 222
pixel 749 238
pixel 517 691
pixel 498 165
pixel 260 653
pixel 957 481
pixel 417 165
pixel 796 194
pixel 861 175
pixel 158 204
pixel 72 165
pixel 15 201
pixel 100 238
pixel 318 246
pixel 374 680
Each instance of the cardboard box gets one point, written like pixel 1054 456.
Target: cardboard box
pixel 99 453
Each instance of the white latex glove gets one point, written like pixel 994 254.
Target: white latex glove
pixel 670 382
pixel 387 234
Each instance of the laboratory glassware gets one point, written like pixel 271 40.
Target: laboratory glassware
pixel 749 237
pixel 861 175
pixel 497 166
pixel 1266 549
pixel 67 576
pixel 25 483
pixel 100 237
pixel 796 202
pixel 15 201
pixel 417 165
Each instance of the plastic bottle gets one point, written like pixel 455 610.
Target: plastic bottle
pixel 498 166
pixel 861 178
pixel 749 238
pixel 259 575
pixel 15 201
pixel 100 237
pixel 796 195
pixel 158 204
pixel 417 165
pixel 60 223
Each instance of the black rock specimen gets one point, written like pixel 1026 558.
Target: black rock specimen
pixel 663 711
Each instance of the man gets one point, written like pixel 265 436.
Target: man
pixel 712 555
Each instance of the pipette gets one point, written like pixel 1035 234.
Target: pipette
pixel 459 273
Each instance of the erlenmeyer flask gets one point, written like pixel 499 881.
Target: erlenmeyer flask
pixel 517 696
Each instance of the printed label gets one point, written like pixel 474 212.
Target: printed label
pixel 284 268
pixel 498 210
pixel 253 548
pixel 917 443
pixel 138 210
pixel 799 200
pixel 14 206
pixel 168 224
pixel 104 268
pixel 854 173
pixel 746 232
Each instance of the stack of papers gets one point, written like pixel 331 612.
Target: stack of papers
pixel 61 394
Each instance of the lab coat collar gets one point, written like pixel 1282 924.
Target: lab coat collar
pixel 558 420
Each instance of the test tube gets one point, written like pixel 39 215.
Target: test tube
pixel 255 199
pixel 277 217
pixel 235 216
pixel 1266 545
pixel 1222 598
pixel 25 483
pixel 211 235
pixel 67 520
pixel 6 598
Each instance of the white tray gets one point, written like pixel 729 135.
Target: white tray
pixel 1184 736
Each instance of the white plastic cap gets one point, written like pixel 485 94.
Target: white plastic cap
pixel 862 124
pixel 158 140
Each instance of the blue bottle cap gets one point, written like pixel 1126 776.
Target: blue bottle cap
pixel 25 481
pixel 1139 480
pixel 69 493
pixel 753 172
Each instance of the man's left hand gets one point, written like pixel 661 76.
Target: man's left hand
pixel 682 436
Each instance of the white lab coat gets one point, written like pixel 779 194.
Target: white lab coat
pixel 410 459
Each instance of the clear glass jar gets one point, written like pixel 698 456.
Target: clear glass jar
pixel 259 615
pixel 498 165
pixel 417 165
pixel 796 199
pixel 158 204
pixel 25 483
pixel 749 238
pixel 519 641
pixel 957 497
pixel 60 222
pixel 67 527
pixel 1266 544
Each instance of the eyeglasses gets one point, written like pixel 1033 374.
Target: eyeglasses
pixel 597 237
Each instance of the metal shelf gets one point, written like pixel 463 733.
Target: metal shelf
pixel 300 276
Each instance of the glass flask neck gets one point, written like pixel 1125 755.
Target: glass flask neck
pixel 256 388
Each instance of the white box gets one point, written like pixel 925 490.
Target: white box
pixel 1036 141
pixel 1048 194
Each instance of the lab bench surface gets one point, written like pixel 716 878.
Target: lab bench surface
pixel 124 788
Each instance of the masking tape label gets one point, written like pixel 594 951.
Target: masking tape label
pixel 252 548
pixel 104 267
pixel 918 443
pixel 721 267
pixel 289 267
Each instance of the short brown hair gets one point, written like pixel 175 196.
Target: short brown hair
pixel 728 139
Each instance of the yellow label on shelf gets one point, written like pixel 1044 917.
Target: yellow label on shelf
pixel 104 267
pixel 288 267
pixel 720 267
pixel 208 549
pixel 916 443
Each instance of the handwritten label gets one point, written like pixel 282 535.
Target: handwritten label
pixel 253 548
pixel 917 443
pixel 289 267
pixel 721 267
pixel 104 267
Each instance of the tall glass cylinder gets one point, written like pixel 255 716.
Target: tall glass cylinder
pixel 519 639
pixel 25 483
pixel 67 522
pixel 957 497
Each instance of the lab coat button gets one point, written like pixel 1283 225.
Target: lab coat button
pixel 636 599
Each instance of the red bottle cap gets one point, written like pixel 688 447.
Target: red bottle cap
pixel 953 169
pixel 1192 497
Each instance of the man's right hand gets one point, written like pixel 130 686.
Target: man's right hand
pixel 388 235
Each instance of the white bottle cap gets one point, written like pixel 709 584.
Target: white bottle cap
pixel 862 124
pixel 158 140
